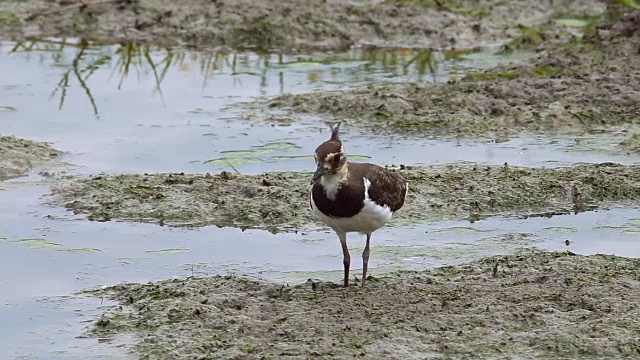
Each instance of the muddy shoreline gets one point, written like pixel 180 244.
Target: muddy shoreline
pixel 529 305
pixel 288 24
pixel 19 156
pixel 586 83
pixel 280 201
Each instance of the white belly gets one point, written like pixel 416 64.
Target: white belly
pixel 369 219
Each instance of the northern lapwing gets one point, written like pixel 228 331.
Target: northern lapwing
pixel 353 197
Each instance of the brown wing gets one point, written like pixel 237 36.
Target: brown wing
pixel 387 188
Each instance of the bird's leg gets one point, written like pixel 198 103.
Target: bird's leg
pixel 365 260
pixel 346 258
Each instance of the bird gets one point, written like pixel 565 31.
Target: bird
pixel 353 197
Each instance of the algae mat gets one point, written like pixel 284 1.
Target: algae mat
pixel 528 305
pixel 280 201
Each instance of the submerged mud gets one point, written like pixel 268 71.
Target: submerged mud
pixel 280 201
pixel 288 23
pixel 18 156
pixel 589 83
pixel 528 305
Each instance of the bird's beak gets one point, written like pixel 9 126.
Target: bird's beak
pixel 319 172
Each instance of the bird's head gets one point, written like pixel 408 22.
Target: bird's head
pixel 330 157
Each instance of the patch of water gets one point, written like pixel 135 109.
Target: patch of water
pixel 134 109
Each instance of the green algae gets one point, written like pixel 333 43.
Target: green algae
pixel 167 251
pixel 39 244
pixel 255 154
pixel 233 161
pixel 561 229
pixel 578 23
pixel 83 250
pixel 7 109
pixel 631 227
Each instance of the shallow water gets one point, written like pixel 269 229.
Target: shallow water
pixel 144 110
pixel 177 117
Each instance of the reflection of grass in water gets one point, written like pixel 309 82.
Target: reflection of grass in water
pixel 129 59
pixel 77 68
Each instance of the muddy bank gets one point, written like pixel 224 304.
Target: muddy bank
pixel 280 201
pixel 290 23
pixel 588 83
pixel 532 304
pixel 18 156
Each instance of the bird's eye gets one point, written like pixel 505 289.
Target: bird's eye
pixel 336 158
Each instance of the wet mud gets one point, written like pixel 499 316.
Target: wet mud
pixel 528 305
pixel 19 156
pixel 590 83
pixel 280 201
pixel 319 24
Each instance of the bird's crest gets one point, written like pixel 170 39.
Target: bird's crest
pixel 335 132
